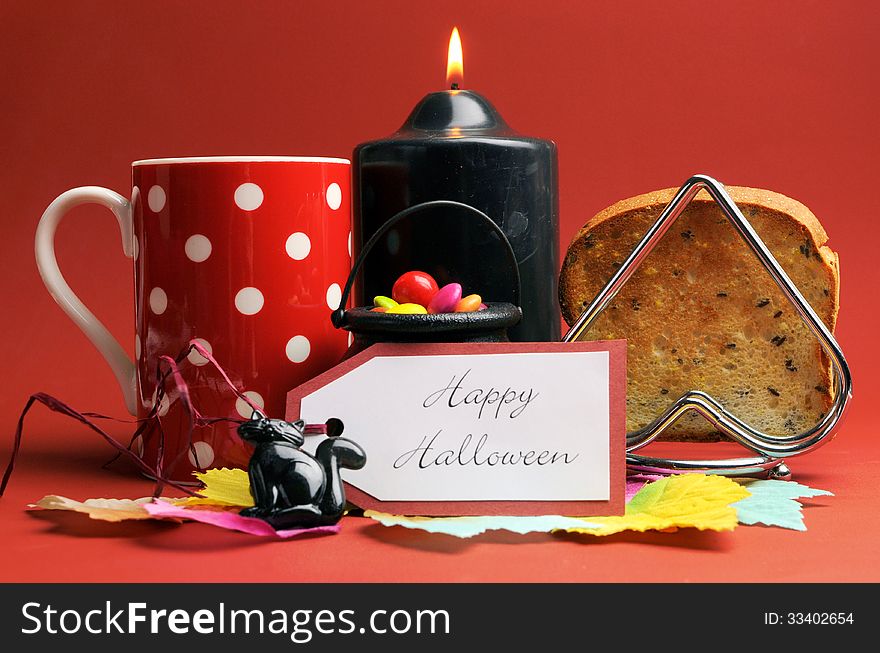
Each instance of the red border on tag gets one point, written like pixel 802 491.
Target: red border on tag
pixel 617 402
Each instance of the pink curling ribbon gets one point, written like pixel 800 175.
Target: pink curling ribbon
pixel 166 367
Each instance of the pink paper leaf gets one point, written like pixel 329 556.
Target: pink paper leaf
pixel 230 520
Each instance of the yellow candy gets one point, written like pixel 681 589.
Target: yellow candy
pixel 384 302
pixel 408 309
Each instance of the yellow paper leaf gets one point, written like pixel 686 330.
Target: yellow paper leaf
pixel 686 501
pixel 223 487
pixel 104 509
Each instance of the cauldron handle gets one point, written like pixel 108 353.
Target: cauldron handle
pixel 338 316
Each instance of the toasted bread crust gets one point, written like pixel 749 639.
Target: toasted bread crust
pixel 742 195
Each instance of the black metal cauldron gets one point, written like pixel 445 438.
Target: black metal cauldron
pixel 488 325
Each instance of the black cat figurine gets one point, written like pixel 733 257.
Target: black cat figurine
pixel 292 488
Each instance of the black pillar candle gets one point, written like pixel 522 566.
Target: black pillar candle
pixel 456 146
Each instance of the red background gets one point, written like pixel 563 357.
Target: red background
pixel 637 95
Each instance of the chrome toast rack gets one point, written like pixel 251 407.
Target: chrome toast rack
pixel 771 451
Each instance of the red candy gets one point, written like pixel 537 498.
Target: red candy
pixel 414 287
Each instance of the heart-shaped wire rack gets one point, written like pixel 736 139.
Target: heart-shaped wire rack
pixel 771 450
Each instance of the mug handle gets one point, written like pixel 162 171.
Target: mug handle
pixel 44 245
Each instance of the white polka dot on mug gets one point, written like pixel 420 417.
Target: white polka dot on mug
pixel 158 301
pixel 198 248
pixel 254 401
pixel 249 301
pixel 201 455
pixel 334 296
pixel 298 246
pixel 156 198
pixel 334 196
pixel 298 349
pixel 195 356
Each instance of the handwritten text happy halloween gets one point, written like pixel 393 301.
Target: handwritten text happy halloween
pixel 489 402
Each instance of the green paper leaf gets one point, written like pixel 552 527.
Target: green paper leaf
pixel 774 503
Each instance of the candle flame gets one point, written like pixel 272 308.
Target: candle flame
pixel 454 61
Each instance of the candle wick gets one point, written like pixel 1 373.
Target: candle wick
pixel 454 86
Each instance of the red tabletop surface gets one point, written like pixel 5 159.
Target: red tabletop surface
pixel 840 545
pixel 637 95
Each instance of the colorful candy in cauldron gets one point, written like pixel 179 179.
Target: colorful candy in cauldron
pixel 417 292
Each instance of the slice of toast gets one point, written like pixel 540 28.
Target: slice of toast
pixel 702 313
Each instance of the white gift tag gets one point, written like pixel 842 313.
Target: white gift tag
pixel 517 426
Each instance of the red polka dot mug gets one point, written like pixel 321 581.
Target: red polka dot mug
pixel 245 254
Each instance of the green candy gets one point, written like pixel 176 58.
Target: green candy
pixel 384 302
